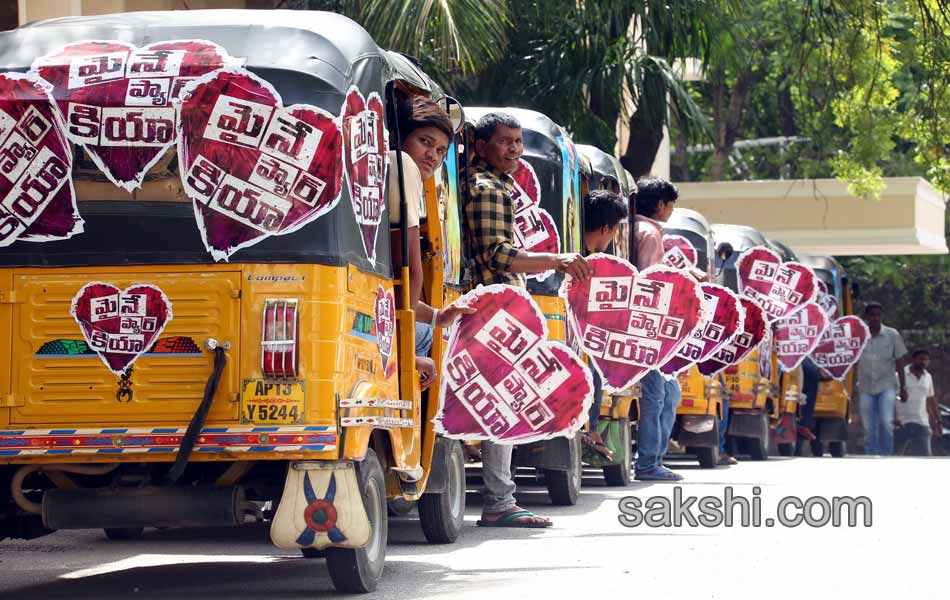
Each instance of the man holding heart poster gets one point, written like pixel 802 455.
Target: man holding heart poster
pixel 659 397
pixel 488 213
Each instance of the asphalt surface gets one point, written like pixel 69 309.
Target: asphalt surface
pixel 588 553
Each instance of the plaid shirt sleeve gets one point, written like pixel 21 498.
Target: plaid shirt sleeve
pixel 490 218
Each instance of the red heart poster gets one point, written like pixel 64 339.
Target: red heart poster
pixel 753 331
pixel 37 200
pixel 252 166
pixel 503 381
pixel 827 300
pixel 780 288
pixel 796 336
pixel 120 325
pixel 678 252
pixel 630 323
pixel 366 159
pixel 385 313
pixel 723 316
pixel 118 98
pixel 841 346
pixel 534 228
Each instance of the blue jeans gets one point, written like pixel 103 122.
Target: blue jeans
pixel 658 401
pixel 423 339
pixel 877 417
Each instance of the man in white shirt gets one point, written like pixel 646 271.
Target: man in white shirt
pixel 918 412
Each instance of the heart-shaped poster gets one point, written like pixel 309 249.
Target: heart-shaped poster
pixel 117 98
pixel 678 252
pixel 736 349
pixel 723 316
pixel 797 335
pixel 253 167
pixel 827 300
pixel 629 323
pixel 841 346
pixel 780 288
pixel 503 381
pixel 366 159
pixel 120 325
pixel 534 228
pixel 37 200
pixel 384 312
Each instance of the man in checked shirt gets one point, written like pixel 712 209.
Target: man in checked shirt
pixel 489 240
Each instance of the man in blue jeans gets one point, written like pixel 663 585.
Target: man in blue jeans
pixel 880 378
pixel 659 396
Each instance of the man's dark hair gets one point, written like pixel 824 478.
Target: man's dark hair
pixel 486 126
pixel 872 305
pixel 417 112
pixel 651 191
pixel 603 207
pixel 920 351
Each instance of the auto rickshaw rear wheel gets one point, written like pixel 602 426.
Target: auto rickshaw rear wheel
pixel 565 486
pixel 123 533
pixel 441 514
pixel 358 570
pixel 708 455
pixel 786 449
pixel 619 475
pixel 838 449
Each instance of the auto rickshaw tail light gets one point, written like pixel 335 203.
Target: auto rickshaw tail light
pixel 280 347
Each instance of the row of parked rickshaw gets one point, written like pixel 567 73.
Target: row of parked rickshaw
pixel 83 448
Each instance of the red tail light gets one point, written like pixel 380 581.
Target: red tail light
pixel 280 348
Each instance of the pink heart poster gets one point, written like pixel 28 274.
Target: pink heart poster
pixel 253 167
pixel 754 330
pixel 534 228
pixel 678 252
pixel 630 322
pixel 384 311
pixel 117 98
pixel 502 380
pixel 841 346
pixel 120 325
pixel 780 288
pixel 796 336
pixel 723 316
pixel 37 199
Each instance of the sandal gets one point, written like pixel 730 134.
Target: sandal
pixel 657 473
pixel 725 460
pixel 510 518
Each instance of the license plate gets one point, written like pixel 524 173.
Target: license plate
pixel 272 403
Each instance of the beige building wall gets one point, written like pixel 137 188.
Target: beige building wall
pixel 35 10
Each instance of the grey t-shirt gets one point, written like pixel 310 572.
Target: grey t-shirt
pixel 877 368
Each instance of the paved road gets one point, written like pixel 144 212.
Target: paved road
pixel 587 554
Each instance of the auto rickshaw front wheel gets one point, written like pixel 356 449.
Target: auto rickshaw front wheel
pixel 441 514
pixel 838 449
pixel 123 533
pixel 358 570
pixel 708 455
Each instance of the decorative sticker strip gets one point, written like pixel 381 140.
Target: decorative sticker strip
pixel 780 288
pixel 627 322
pixel 120 325
pixel 678 252
pixel 118 98
pixel 366 159
pixel 841 346
pixel 571 194
pixel 753 331
pixel 723 316
pixel 799 334
pixel 384 311
pixel 503 381
pixel 534 227
pixel 37 200
pixel 253 167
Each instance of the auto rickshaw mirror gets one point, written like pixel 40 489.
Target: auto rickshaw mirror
pixel 724 251
pixel 453 108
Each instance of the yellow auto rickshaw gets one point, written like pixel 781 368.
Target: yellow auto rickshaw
pixel 748 385
pixel 832 407
pixel 150 385
pixel 549 180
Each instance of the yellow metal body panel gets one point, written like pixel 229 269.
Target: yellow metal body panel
pixel 554 311
pixel 742 382
pixel 791 392
pixel 701 395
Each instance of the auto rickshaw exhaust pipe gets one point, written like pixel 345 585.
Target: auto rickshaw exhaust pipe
pixel 149 506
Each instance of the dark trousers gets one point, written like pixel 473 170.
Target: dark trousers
pixel 912 439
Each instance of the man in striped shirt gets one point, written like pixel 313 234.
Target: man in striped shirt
pixel 489 241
